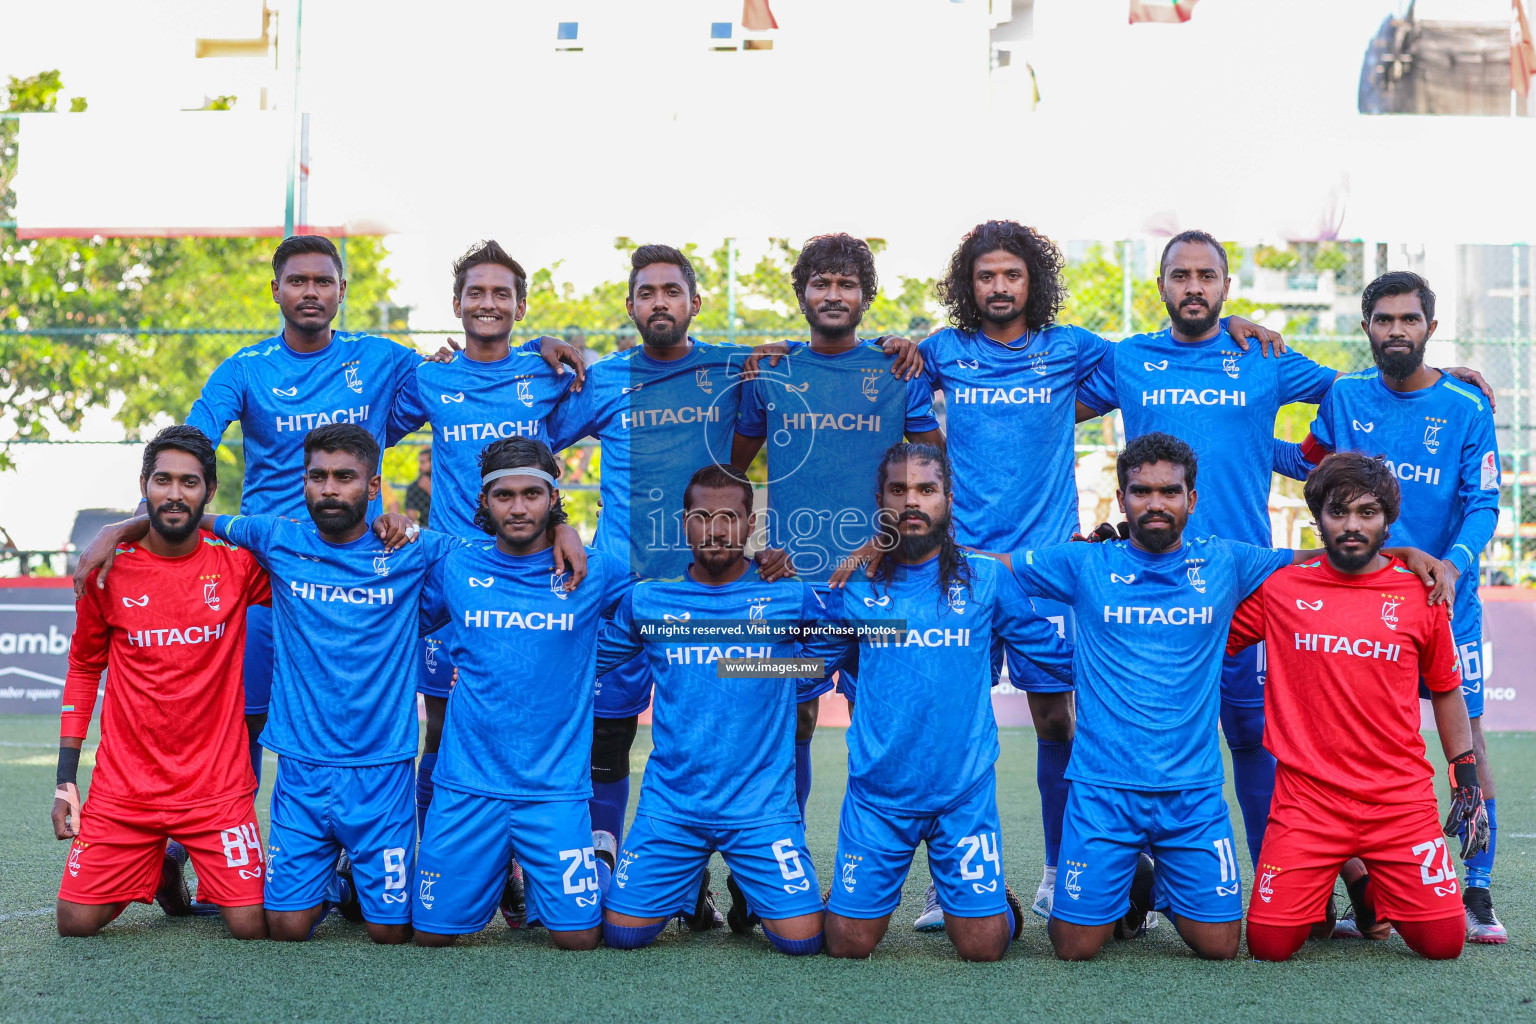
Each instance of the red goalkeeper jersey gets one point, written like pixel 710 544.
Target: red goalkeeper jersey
pixel 170 633
pixel 1345 655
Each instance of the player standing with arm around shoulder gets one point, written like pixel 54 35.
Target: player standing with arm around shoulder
pixel 922 748
pixel 1437 435
pixel 513 773
pixel 173 761
pixel 1351 638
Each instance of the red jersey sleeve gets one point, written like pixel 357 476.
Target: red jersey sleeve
pixel 87 661
pixel 258 585
pixel 1439 666
pixel 1247 622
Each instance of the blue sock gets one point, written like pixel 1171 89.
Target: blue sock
pixel 256 755
pixel 802 775
pixel 1480 868
pixel 609 802
pixel 1253 770
pixel 424 771
pixel 604 877
pixel 344 891
pixel 795 947
pixel 1051 759
pixel 617 936
pixel 325 912
pixel 1013 922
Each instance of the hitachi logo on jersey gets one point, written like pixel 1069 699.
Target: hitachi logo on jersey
pixel 1149 615
pixel 167 637
pixel 667 417
pixel 829 421
pixel 1192 396
pixel 707 655
pixel 348 595
pixel 488 431
pixel 925 638
pixel 491 619
pixel 1327 643
pixel 307 421
pixel 1003 396
pixel 1415 474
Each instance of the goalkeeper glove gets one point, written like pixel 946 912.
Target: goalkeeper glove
pixel 1468 817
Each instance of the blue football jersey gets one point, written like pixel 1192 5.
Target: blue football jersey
pixel 723 751
pixel 1441 444
pixel 470 404
pixel 827 420
pixel 344 630
pixel 658 422
pixel 519 722
pixel 1219 400
pixel 1001 399
pixel 923 734
pixel 280 395
pixel 1151 632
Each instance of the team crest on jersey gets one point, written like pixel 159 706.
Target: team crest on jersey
pixel 701 378
pixel 621 873
pixel 1389 610
pixel 1266 883
pixel 956 597
pixel 525 392
pixel 1073 883
pixel 1489 477
pixel 1432 425
pixel 353 380
pixel 557 585
pixel 872 387
pixel 1038 363
pixel 432 646
pixel 1229 363
pixel 424 894
pixel 75 850
pixel 381 564
pixel 757 607
pixel 1195 579
pixel 211 590
pixel 851 863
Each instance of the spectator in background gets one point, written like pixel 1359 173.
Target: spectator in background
pixel 418 496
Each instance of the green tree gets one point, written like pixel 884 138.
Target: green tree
pixel 107 289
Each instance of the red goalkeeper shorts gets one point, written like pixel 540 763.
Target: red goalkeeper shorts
pixel 1313 829
pixel 120 850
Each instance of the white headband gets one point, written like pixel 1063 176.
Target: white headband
pixel 532 471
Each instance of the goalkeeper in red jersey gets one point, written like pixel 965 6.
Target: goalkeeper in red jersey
pixel 1349 637
pixel 173 772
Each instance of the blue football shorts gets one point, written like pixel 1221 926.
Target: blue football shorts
pixel 1024 674
pixel 1242 677
pixel 258 659
pixel 1469 650
pixel 625 691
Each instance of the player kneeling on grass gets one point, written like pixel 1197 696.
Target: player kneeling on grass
pixel 524 647
pixel 922 748
pixel 721 776
pixel 174 760
pixel 1350 635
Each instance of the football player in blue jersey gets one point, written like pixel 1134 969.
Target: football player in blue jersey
pixel 1008 372
pixel 721 776
pixel 524 648
pixel 1153 612
pixel 488 391
pixel 923 746
pixel 659 411
pixel 279 389
pixel 1439 439
pixel 1192 380
pixel 826 414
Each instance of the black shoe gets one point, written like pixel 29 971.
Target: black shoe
pixel 704 917
pixel 514 898
pixel 1134 923
pixel 173 895
pixel 1018 911
pixel 739 917
pixel 349 906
